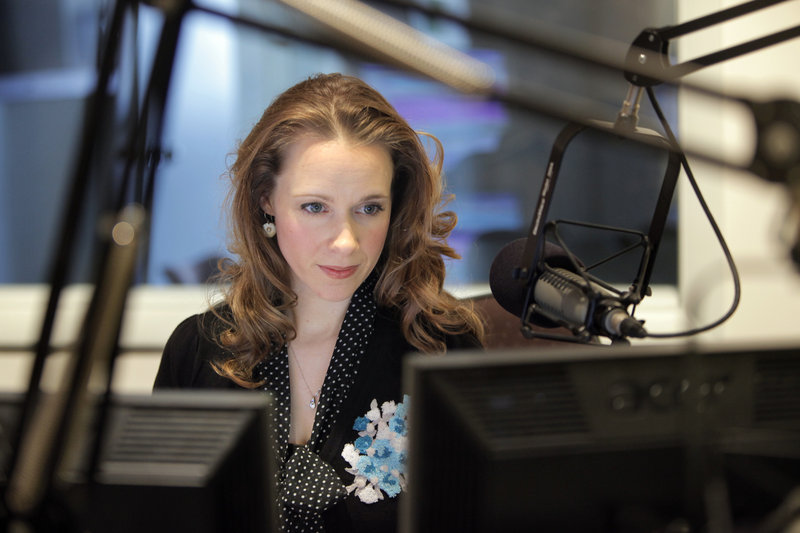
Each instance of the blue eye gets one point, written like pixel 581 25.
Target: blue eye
pixel 313 207
pixel 372 209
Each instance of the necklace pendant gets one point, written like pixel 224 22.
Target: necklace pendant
pixel 313 403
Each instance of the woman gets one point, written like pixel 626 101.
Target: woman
pixel 340 245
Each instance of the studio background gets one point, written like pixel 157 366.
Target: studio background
pixel 494 159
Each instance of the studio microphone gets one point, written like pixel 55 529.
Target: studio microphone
pixel 559 292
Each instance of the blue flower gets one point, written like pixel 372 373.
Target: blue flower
pixel 362 444
pixel 396 461
pixel 361 423
pixel 383 449
pixel 366 466
pixel 388 484
pixel 402 407
pixel 398 425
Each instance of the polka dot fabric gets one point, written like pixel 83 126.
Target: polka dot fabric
pixel 308 485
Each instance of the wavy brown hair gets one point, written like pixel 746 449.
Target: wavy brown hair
pixel 411 269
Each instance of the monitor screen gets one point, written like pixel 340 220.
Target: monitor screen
pixel 601 439
pixel 199 461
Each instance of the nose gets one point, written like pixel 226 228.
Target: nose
pixel 345 240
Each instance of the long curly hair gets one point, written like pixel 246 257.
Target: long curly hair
pixel 411 269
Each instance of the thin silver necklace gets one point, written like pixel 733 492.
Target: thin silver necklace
pixel 314 397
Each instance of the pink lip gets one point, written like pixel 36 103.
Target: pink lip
pixel 338 272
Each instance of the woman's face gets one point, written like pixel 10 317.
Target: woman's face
pixel 332 204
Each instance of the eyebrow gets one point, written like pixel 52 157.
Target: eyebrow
pixel 327 198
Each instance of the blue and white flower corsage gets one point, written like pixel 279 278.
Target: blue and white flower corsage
pixel 377 458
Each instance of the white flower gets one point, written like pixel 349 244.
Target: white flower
pixel 350 454
pixel 388 409
pixel 374 413
pixel 383 431
pixel 369 494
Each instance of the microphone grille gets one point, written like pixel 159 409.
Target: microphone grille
pixel 511 293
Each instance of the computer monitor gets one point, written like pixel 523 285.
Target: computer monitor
pixel 200 461
pixel 601 439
